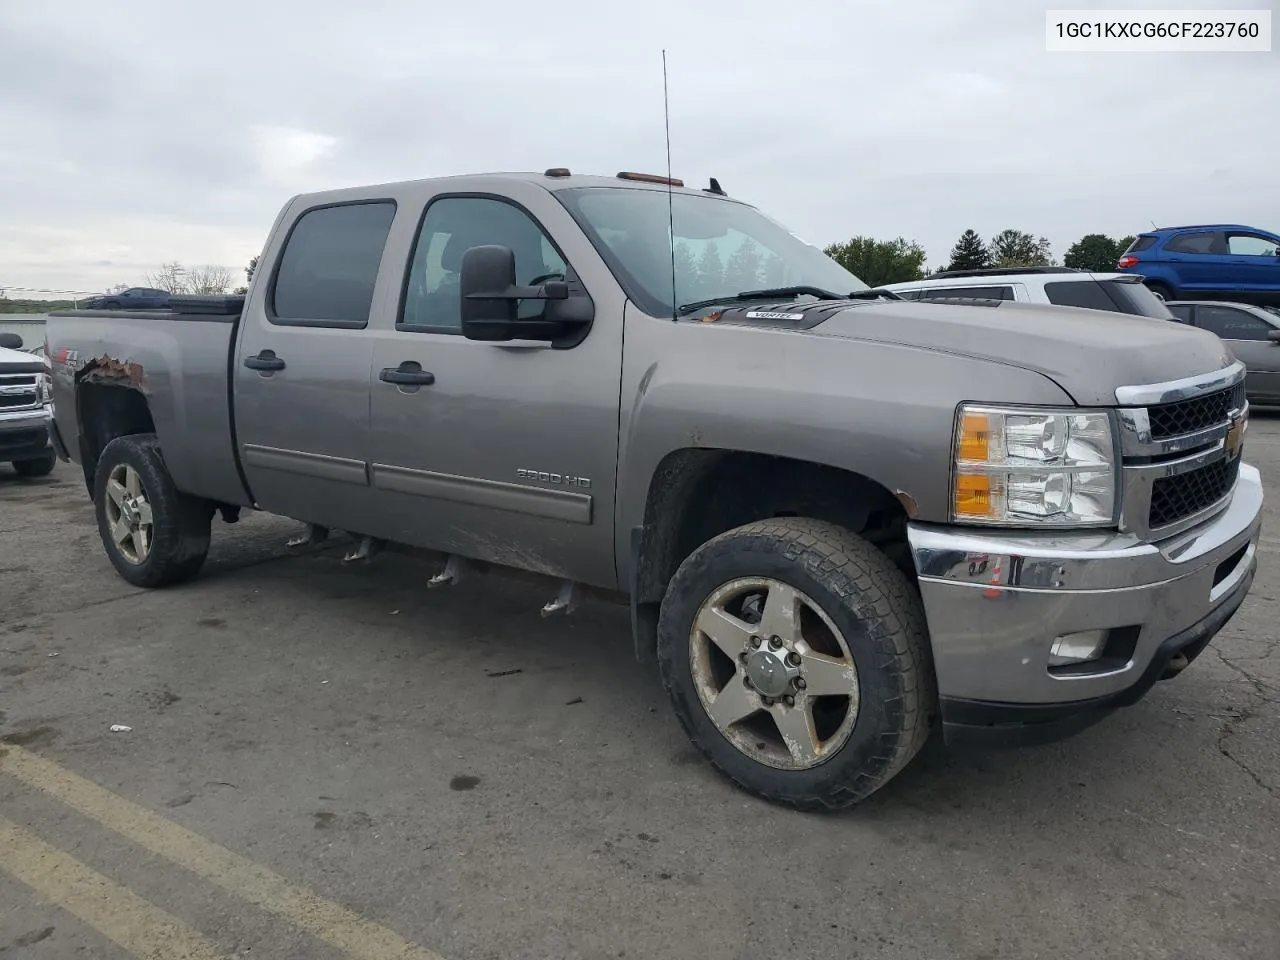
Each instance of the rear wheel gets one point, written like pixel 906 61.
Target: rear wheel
pixel 154 535
pixel 40 467
pixel 1161 290
pixel 796 656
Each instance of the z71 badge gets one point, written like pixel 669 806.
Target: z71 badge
pixel 561 479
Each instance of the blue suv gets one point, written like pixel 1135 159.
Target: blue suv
pixel 1179 263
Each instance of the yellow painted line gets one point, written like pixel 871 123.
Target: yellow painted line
pixel 334 924
pixel 122 916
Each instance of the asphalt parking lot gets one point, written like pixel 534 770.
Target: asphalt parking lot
pixel 332 761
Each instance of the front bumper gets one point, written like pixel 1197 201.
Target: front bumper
pixel 24 434
pixel 996 602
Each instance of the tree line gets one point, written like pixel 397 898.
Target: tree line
pixel 876 262
pixel 879 262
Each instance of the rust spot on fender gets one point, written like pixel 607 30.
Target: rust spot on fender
pixel 106 369
pixel 908 503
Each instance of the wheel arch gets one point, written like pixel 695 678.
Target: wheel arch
pixel 106 409
pixel 697 493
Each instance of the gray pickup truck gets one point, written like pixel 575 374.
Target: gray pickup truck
pixel 840 519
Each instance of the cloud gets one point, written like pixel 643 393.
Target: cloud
pixel 144 131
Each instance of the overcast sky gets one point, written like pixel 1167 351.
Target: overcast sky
pixel 135 132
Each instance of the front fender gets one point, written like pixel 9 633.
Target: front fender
pixel 882 410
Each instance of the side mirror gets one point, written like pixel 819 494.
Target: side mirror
pixel 10 341
pixel 491 300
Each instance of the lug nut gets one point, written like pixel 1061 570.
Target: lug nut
pixel 768 701
pixel 800 683
pixel 793 659
pixel 755 642
pixel 746 682
pixel 775 643
pixel 789 701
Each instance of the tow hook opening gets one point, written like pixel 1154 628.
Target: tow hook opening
pixel 1177 663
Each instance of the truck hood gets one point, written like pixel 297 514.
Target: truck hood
pixel 1086 352
pixel 16 358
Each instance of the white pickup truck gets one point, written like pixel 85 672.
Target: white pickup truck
pixel 24 409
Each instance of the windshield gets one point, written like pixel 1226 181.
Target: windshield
pixel 722 247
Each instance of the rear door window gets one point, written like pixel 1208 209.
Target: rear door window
pixel 1201 243
pixel 327 272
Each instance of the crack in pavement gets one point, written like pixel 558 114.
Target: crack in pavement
pixel 1260 690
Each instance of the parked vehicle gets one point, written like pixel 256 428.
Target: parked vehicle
pixel 135 298
pixel 835 517
pixel 1062 286
pixel 24 410
pixel 1215 261
pixel 1252 334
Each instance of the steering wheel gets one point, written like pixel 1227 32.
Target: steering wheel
pixel 545 277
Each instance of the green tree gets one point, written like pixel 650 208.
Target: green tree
pixel 969 253
pixel 1096 252
pixel 743 269
pixel 710 272
pixel 773 272
pixel 877 262
pixel 248 271
pixel 687 288
pixel 1015 248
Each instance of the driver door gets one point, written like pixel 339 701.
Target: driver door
pixel 498 451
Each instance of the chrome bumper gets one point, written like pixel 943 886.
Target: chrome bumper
pixel 996 602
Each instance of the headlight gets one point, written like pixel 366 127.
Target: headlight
pixel 1029 467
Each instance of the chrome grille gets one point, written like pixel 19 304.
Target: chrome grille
pixel 1181 443
pixel 1177 497
pixel 19 391
pixel 1188 416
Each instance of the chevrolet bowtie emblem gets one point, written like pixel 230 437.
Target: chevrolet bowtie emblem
pixel 1235 434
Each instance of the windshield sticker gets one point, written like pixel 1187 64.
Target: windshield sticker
pixel 773 315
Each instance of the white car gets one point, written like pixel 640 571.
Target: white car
pixel 24 409
pixel 1116 292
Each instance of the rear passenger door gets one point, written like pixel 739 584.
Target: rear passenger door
pixel 302 370
pixel 1199 260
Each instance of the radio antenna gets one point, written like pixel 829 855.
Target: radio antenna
pixel 671 217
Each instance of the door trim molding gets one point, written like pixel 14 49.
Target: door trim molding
pixel 318 465
pixel 563 505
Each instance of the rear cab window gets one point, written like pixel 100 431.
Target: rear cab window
pixel 326 273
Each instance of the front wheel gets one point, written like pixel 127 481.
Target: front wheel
pixel 40 467
pixel 796 656
pixel 154 534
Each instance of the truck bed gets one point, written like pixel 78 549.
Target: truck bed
pixel 179 359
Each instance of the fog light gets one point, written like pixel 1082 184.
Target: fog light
pixel 1077 647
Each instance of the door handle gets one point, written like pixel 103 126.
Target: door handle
pixel 265 360
pixel 408 374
